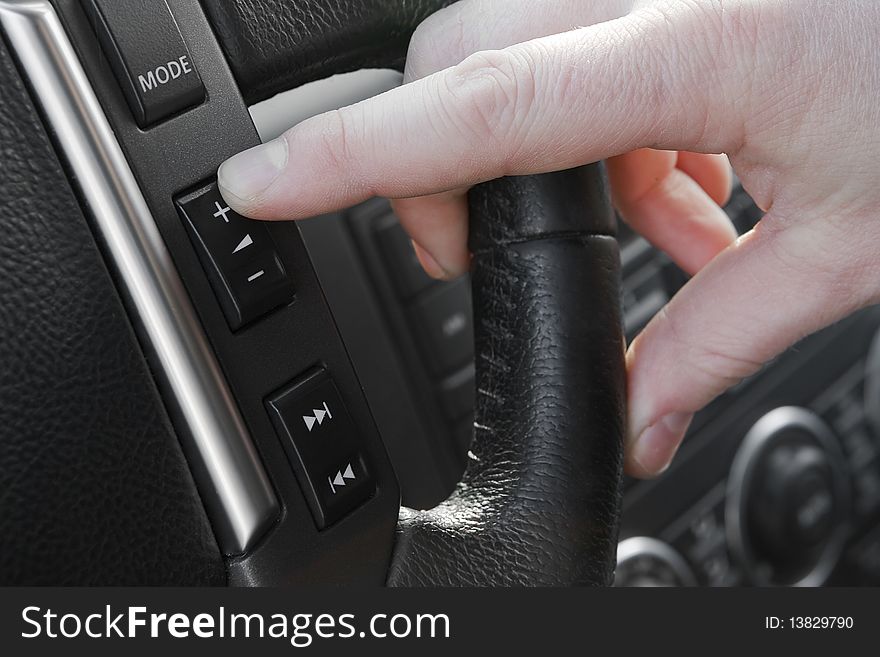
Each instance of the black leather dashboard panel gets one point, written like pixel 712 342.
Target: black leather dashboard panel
pixel 94 488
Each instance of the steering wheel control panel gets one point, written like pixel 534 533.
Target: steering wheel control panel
pixel 245 310
pixel 323 446
pixel 238 255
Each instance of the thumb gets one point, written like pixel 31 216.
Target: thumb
pixel 773 287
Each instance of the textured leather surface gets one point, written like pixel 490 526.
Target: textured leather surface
pixel 93 486
pixel 539 501
pixel 275 45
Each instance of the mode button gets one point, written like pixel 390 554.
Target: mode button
pixel 148 56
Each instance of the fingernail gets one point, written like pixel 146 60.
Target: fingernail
pixel 249 173
pixel 429 263
pixel 654 448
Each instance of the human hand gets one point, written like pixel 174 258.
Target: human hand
pixel 787 89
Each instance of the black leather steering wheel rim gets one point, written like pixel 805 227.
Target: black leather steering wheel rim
pixel 539 501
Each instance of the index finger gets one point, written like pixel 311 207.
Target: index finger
pixel 515 111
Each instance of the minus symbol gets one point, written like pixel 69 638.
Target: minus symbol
pixel 254 277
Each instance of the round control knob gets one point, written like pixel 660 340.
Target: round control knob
pixel 788 500
pixel 643 561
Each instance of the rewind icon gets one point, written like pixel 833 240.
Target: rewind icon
pixel 318 417
pixel 341 476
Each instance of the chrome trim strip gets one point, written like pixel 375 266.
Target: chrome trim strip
pixel 231 479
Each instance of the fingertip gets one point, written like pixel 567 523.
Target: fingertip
pixel 651 452
pixel 711 171
pixel 429 263
pixel 245 177
pixel 438 226
pixel 670 208
pixel 239 205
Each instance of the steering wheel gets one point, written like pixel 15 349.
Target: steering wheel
pixel 539 501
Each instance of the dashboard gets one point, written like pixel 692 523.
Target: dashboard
pixel 777 481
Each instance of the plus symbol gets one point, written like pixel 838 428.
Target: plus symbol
pixel 221 212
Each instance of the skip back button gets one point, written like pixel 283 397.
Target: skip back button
pixel 323 446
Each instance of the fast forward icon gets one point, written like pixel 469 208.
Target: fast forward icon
pixel 318 417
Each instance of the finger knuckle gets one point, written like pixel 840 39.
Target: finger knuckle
pixel 491 95
pixel 693 45
pixel 723 368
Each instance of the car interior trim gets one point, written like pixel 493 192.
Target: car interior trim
pixel 232 481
